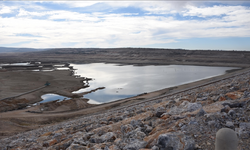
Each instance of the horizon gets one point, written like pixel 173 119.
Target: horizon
pixel 189 25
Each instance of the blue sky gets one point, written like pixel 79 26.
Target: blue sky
pixel 159 24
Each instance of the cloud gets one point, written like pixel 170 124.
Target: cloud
pixel 54 28
pixel 77 3
pixel 6 9
pixel 211 11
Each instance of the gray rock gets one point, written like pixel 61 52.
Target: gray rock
pixel 201 112
pixel 234 105
pixel 170 104
pixel 76 147
pixel 229 124
pixel 155 148
pixel 190 107
pixel 201 99
pixel 211 123
pixel 136 123
pixel 135 145
pixel 148 128
pixel 177 117
pixel 159 113
pixel 79 141
pixel 126 128
pixel 231 113
pixel 242 134
pixel 193 122
pixel 140 135
pixel 172 141
pixel 95 139
pixel 108 137
pixel 185 107
pixel 245 126
pixel 246 94
pixel 225 109
pixel 216 99
pixel 189 143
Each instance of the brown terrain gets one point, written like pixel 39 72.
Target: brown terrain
pixel 139 56
pixel 15 84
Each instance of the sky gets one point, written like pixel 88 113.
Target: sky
pixel 215 25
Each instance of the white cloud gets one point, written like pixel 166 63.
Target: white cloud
pixel 121 30
pixel 77 3
pixel 211 11
pixel 6 9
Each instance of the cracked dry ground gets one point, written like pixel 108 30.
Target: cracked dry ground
pixel 185 121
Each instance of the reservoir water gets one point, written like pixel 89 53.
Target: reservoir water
pixel 123 81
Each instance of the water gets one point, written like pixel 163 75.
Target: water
pixel 52 97
pixel 127 81
pixel 39 65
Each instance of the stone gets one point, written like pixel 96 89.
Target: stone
pixel 108 137
pixel 190 107
pixel 155 148
pixel 170 104
pixel 95 139
pixel 225 109
pixel 229 124
pixel 244 125
pixel 231 113
pixel 114 147
pixel 140 135
pixel 79 141
pixel 159 113
pixel 234 105
pixel 193 123
pixel 226 139
pixel 76 147
pixel 185 106
pixel 173 141
pixel 246 94
pixel 135 145
pixel 201 113
pixel 234 95
pixel 148 128
pixel 126 128
pixel 136 123
pixel 201 99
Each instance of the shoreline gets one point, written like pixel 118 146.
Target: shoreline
pixel 37 120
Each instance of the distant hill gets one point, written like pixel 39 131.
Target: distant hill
pixel 12 49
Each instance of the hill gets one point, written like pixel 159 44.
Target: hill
pixel 15 50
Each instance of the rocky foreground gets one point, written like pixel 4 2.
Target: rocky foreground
pixel 185 121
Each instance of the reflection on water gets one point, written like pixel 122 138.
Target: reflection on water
pixel 93 102
pixel 126 81
pixel 52 97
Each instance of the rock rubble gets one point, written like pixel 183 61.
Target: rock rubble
pixel 187 120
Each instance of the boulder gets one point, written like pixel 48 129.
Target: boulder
pixel 201 112
pixel 135 145
pixel 229 124
pixel 108 137
pixel 170 104
pixel 201 99
pixel 174 141
pixel 185 107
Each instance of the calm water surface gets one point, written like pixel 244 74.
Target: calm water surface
pixel 52 97
pixel 126 81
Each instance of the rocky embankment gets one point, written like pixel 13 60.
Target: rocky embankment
pixel 186 121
